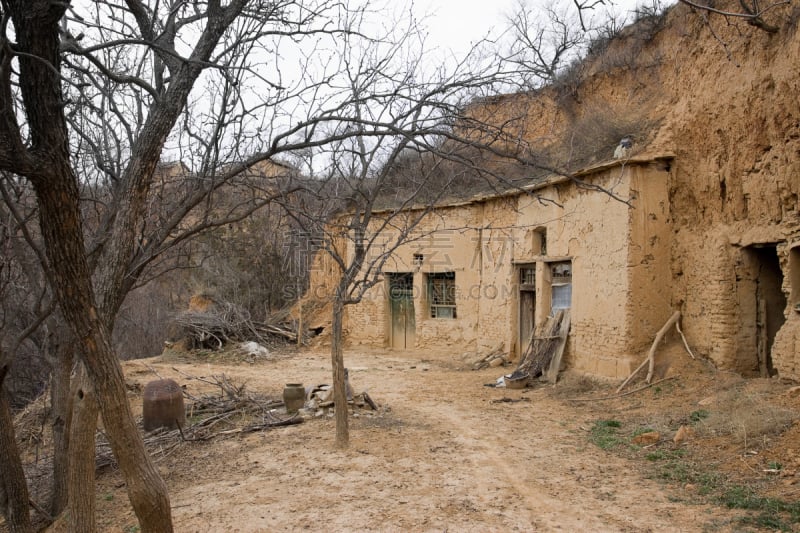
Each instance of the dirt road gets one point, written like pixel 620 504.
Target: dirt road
pixel 444 457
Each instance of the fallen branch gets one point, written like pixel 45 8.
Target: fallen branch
pixel 633 374
pixel 231 406
pixel 683 337
pixel 368 399
pixel 47 516
pixel 225 322
pixel 643 387
pixel 510 400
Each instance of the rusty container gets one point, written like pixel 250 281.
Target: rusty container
pixel 163 405
pixel 294 396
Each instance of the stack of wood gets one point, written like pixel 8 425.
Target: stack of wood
pixel 544 350
pixel 219 323
pixel 493 358
pixel 229 410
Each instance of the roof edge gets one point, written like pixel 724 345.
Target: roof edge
pixel 552 179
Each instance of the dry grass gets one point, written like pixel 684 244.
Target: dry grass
pixel 573 384
pixel 31 422
pixel 745 416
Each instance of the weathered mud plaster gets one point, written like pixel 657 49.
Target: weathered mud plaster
pixel 617 247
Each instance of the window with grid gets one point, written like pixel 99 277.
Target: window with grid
pixel 442 294
pixel 527 278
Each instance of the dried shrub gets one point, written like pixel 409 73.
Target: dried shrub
pixel 594 134
pixel 745 417
pixel 222 323
pixel 574 384
pixel 30 422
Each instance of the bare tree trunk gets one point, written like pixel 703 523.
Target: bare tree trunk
pixel 61 409
pixel 81 509
pixel 13 487
pixel 61 228
pixel 337 364
pixel 45 161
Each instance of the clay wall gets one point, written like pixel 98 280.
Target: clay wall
pixel 648 301
pixel 735 189
pixel 496 313
pixel 722 96
pixel 447 241
pixel 591 229
pixel 619 254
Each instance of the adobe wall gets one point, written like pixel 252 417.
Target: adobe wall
pixel 497 296
pixel 366 322
pixel 786 348
pixel 736 135
pixel 594 230
pixel 649 296
pixel 722 96
pixel 448 241
pixel 619 254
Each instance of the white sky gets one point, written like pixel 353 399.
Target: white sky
pixel 456 24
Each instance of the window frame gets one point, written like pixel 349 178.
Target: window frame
pixel 442 300
pixel 560 283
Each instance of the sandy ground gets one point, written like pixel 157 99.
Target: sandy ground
pixel 442 455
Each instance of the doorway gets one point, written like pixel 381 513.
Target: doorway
pixel 401 303
pixel 765 314
pixel 527 304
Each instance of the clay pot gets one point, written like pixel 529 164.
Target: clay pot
pixel 294 396
pixel 163 405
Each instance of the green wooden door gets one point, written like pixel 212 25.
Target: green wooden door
pixel 401 300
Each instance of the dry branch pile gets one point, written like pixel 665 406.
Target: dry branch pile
pixel 229 411
pixel 224 322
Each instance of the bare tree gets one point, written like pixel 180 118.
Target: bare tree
pixel 753 11
pixel 419 140
pixel 94 93
pixel 13 490
pixel 156 54
pixel 398 152
pixel 546 39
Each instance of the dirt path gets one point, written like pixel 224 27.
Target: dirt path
pixel 443 458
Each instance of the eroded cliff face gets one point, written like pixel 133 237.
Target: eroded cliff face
pixel 722 214
pixel 724 98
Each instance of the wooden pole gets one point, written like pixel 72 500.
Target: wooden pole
pixel 761 328
pixel 650 359
pixel 651 355
pixel 685 342
pixel 299 316
pixel 555 362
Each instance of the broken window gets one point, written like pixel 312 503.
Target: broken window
pixel 527 278
pixel 442 294
pixel 540 241
pixel 561 283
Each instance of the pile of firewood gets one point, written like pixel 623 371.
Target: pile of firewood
pixel 545 345
pixel 223 323
pixel 230 410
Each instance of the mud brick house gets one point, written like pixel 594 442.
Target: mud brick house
pixel 711 227
pixel 483 272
